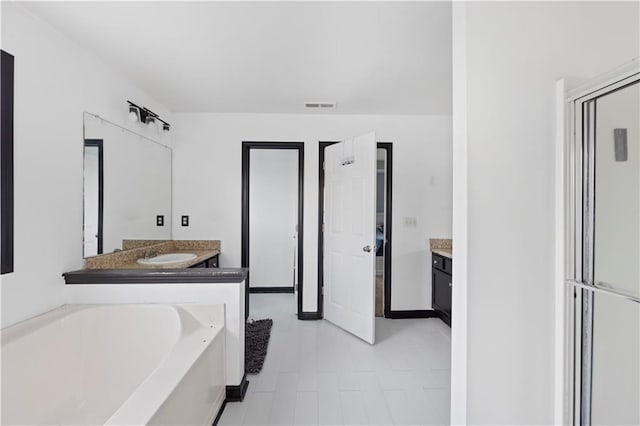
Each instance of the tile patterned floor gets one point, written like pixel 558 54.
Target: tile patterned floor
pixel 317 374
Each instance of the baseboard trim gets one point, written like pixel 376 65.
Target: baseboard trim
pixel 427 313
pixel 236 393
pixel 270 289
pixel 309 316
pixel 220 411
pixel 444 317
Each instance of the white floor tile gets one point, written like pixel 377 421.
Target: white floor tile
pixel 282 410
pixel 259 408
pixel 306 408
pixel 327 381
pixel 316 373
pixel 376 407
pixel 233 414
pixel 402 410
pixel 307 380
pixel 329 412
pixel 352 408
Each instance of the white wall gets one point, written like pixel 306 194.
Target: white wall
pixel 55 81
pixel 207 183
pixel 273 215
pixel 514 53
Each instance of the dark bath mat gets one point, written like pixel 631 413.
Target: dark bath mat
pixel 256 341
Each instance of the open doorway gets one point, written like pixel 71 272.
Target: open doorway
pixel 384 177
pixel 272 217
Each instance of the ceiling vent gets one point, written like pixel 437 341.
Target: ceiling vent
pixel 320 105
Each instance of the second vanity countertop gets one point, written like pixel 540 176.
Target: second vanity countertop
pixel 442 246
pixel 443 252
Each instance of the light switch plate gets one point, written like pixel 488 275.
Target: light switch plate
pixel 410 222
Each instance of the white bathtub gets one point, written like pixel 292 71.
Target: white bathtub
pixel 115 364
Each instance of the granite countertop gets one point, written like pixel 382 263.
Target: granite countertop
pixel 442 246
pixel 202 255
pixel 128 259
pixel 443 252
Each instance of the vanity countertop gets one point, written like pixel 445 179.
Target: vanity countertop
pixel 128 258
pixel 442 246
pixel 202 255
pixel 444 252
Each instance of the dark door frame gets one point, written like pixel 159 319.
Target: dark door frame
pixel 247 146
pixel 99 144
pixel 6 168
pixel 388 147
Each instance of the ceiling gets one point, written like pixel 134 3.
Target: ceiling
pixel 272 57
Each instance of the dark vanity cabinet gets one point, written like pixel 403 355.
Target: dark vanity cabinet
pixel 211 262
pixel 441 267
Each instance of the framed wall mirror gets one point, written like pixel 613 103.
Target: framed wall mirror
pixel 127 187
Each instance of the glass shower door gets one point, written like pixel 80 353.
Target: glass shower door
pixel 608 340
pixel 615 381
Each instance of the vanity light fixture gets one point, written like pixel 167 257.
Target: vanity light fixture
pixel 146 116
pixel 134 112
pixel 165 126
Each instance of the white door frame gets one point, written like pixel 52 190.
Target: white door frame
pixel 568 233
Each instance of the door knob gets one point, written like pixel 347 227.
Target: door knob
pixel 366 248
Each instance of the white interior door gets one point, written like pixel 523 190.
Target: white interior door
pixel 349 235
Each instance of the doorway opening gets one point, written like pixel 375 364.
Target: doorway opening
pixel 93 197
pixel 272 217
pixel 384 189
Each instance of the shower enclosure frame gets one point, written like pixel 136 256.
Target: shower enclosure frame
pixel 578 245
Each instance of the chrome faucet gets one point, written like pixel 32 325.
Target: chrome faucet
pixel 151 253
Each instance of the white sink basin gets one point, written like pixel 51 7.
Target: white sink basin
pixel 167 259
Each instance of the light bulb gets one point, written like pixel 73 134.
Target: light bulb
pixel 133 113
